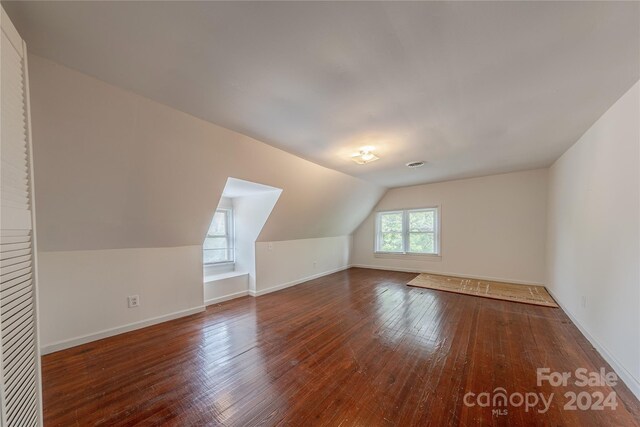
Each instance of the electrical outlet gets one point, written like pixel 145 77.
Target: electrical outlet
pixel 270 246
pixel 583 301
pixel 133 301
pixel 315 264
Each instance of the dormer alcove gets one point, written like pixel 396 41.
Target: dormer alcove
pixel 229 259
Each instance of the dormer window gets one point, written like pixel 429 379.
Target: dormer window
pixel 218 245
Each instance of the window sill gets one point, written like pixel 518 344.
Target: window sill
pixel 216 277
pixel 218 268
pixel 410 256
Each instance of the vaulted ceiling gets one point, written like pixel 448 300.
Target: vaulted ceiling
pixel 472 88
pixel 116 170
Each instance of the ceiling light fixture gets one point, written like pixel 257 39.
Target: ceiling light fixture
pixel 364 156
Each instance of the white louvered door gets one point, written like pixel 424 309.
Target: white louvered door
pixel 19 356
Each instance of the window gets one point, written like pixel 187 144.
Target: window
pixel 413 231
pixel 218 245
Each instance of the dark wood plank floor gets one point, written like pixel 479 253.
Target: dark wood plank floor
pixel 354 348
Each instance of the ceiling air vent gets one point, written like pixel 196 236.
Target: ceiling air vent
pixel 415 164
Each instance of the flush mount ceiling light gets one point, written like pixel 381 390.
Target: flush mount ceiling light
pixel 364 156
pixel 415 164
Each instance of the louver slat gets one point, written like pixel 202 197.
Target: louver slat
pixel 19 355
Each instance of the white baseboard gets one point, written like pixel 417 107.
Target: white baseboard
pixel 225 298
pixel 61 345
pixel 297 281
pixel 446 273
pixel 621 371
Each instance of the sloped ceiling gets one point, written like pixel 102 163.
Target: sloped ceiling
pixel 473 88
pixel 240 188
pixel 116 170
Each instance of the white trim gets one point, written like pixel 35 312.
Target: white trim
pixel 222 276
pixel 405 253
pixel 218 264
pixel 224 298
pixel 630 381
pixel 445 273
pixel 61 345
pixel 216 269
pixel 410 256
pixel 12 33
pixel 296 282
pixel 34 239
pixel 229 235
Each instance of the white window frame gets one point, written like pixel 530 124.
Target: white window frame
pixel 405 232
pixel 230 236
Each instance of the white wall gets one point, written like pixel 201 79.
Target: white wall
pixel 226 287
pixel 83 294
pixel 115 170
pixel 491 227
pixel 286 263
pixel 250 214
pixel 594 235
pixel 224 203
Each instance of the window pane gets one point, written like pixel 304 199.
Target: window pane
pixel 422 243
pixel 216 255
pixel 391 242
pixel 421 221
pixel 390 222
pixel 215 243
pixel 219 224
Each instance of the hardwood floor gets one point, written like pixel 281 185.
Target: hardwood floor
pixel 354 348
